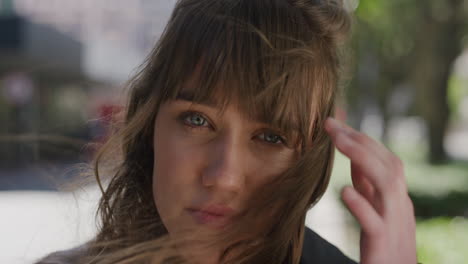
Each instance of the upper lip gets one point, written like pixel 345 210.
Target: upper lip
pixel 214 209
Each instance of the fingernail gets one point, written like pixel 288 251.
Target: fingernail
pixel 335 124
pixel 348 192
pixel 339 126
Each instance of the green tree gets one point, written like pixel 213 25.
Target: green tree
pixel 411 44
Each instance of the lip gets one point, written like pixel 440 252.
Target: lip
pixel 216 216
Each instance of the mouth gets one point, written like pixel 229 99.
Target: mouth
pixel 212 216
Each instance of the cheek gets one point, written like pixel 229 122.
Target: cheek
pixel 176 162
pixel 267 165
pixel 174 177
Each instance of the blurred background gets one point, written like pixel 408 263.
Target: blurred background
pixel 64 63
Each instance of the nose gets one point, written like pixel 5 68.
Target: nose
pixel 225 169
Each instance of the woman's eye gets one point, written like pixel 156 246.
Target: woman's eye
pixel 194 120
pixel 272 138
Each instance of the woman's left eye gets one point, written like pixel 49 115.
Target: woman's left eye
pixel 272 138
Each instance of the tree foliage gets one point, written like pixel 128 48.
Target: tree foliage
pixel 407 47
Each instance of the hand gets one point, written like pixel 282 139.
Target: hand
pixel 378 199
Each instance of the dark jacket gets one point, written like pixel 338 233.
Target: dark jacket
pixel 316 250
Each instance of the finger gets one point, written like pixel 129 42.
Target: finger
pixel 369 220
pixel 362 159
pixel 361 183
pixel 384 172
pixel 375 147
pixel 388 158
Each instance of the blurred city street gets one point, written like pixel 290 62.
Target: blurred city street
pixel 63 72
pixel 36 223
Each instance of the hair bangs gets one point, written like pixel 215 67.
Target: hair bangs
pixel 277 60
pixel 251 59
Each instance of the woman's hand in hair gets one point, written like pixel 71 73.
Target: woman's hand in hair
pixel 378 199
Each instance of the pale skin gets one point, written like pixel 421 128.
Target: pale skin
pixel 202 157
pixel 226 157
pixel 378 199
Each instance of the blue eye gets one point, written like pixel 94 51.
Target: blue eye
pixel 194 119
pixel 272 138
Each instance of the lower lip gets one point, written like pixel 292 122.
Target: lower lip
pixel 213 220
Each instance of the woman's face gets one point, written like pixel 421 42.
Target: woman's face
pixel 207 163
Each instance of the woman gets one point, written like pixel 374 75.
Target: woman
pixel 228 140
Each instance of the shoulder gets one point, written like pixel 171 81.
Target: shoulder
pixel 317 250
pixel 70 256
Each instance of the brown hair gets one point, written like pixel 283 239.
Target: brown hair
pixel 279 60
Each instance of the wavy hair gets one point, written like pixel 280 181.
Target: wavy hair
pixel 279 60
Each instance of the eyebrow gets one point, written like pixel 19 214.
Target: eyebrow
pixel 189 96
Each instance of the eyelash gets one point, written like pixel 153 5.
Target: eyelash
pixel 183 118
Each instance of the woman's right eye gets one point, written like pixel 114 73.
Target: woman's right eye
pixel 194 120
